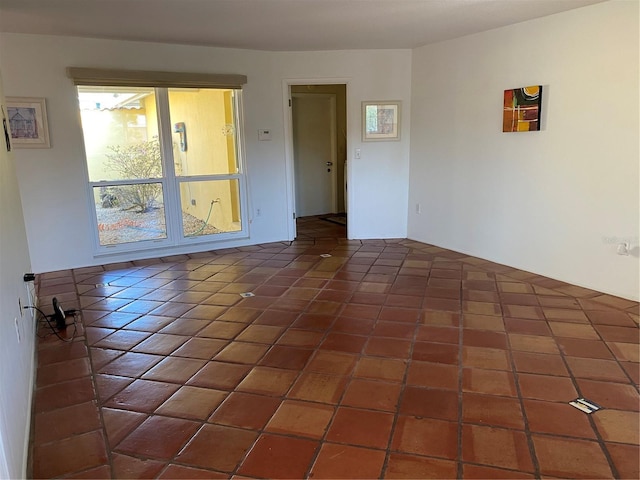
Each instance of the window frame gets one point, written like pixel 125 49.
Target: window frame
pixel 170 181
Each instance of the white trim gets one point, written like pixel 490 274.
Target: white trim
pixel 4 467
pixel 32 384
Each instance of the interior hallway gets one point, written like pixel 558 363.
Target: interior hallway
pixel 388 358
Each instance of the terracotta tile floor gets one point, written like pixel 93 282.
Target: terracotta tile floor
pixel 390 358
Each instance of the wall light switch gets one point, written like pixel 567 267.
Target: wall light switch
pixel 264 135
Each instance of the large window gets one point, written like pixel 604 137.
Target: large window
pixel 164 164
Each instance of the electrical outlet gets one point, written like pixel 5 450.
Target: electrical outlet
pixel 258 212
pixel 31 299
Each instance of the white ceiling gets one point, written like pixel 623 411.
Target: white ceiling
pixel 278 25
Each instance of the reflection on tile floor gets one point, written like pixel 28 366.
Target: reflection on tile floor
pixel 390 358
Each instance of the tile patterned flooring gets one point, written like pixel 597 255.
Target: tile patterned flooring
pixel 388 359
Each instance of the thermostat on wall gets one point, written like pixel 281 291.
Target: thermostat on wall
pixel 264 135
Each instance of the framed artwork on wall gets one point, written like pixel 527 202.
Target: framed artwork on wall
pixel 521 109
pixel 28 122
pixel 380 121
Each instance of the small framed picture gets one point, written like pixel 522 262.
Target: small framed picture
pixel 522 108
pixel 28 122
pixel 380 121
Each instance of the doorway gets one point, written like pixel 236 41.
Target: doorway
pixel 314 153
pixel 319 150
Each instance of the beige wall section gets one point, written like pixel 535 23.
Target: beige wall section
pixel 151 113
pixel 203 113
pixel 340 92
pixel 210 150
pixel 232 155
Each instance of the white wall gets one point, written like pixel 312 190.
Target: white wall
pixel 550 202
pixel 18 333
pixel 53 182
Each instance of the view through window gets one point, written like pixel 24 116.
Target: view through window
pixel 163 164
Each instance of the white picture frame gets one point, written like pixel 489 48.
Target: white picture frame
pixel 27 118
pixel 381 121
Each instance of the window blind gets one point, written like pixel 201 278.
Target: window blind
pixel 144 78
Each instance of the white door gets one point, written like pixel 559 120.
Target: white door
pixel 314 153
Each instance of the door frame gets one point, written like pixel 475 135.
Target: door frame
pixel 288 144
pixel 334 148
